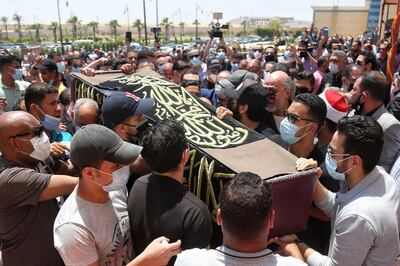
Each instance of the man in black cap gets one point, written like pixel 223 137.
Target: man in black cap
pixel 49 74
pixel 123 112
pixel 92 227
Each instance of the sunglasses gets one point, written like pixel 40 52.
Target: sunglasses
pixel 191 56
pixel 293 118
pixel 36 132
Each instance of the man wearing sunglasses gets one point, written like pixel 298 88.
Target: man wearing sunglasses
pixel 28 189
pixel 196 63
pixel 301 124
pixel 365 211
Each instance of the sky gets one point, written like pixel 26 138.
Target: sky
pixel 102 11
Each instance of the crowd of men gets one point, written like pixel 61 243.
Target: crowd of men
pixel 87 185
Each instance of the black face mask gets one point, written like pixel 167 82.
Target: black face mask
pixel 357 106
pixel 141 131
pixel 269 57
pixel 300 90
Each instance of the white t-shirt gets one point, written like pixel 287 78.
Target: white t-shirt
pixel 85 232
pixel 225 256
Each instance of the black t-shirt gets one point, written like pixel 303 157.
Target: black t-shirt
pixel 335 80
pixel 161 206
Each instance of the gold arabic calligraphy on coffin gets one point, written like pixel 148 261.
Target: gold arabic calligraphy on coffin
pixel 202 127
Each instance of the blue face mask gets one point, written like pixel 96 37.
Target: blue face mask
pixel 61 67
pixel 235 67
pixel 18 74
pixel 331 166
pixel 195 61
pixel 221 56
pixel 289 130
pixel 50 123
pixel 76 69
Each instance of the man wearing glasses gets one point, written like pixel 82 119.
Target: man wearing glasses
pixel 196 63
pixel 28 189
pixel 365 212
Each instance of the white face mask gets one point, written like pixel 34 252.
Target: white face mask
pixel 119 179
pixel 334 68
pixel 41 147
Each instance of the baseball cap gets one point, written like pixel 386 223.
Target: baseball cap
pixel 213 63
pixel 234 81
pixel 239 90
pixel 336 104
pixel 120 105
pixel 48 64
pixel 94 143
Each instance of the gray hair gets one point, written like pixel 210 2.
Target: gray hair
pixel 340 54
pixel 83 101
pixel 290 85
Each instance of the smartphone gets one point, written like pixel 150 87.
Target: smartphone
pixel 325 32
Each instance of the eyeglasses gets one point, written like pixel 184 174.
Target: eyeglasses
pixel 272 95
pixel 359 63
pixel 293 118
pixel 330 154
pixel 36 132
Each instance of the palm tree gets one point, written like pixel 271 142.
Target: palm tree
pixel 37 27
pixel 93 25
pixel 30 28
pixel 4 20
pixel 74 22
pixel 182 29
pixel 138 25
pixel 18 19
pixel 166 23
pixel 244 24
pixel 196 23
pixel 113 26
pixel 228 26
pixel 53 27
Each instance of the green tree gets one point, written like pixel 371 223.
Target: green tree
pixel 53 27
pixel 113 26
pixel 37 27
pixel 166 23
pixel 182 29
pixel 228 25
pixel 18 19
pixel 260 31
pixel 138 25
pixel 74 22
pixel 244 23
pixel 4 20
pixel 94 25
pixel 276 26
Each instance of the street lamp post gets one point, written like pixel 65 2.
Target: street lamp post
pixel 157 13
pixel 145 24
pixel 59 23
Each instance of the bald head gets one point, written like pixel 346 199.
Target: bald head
pixel 86 112
pixel 280 87
pixel 254 66
pixel 12 124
